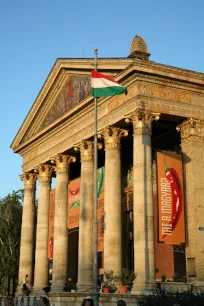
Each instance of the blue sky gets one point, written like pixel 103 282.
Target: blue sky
pixel 33 34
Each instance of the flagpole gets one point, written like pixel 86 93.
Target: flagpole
pixel 95 221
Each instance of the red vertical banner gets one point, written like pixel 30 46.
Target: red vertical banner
pixel 170 198
pixel 73 203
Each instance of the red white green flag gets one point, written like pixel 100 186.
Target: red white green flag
pixel 103 86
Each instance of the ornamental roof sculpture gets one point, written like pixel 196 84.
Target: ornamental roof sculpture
pixel 139 49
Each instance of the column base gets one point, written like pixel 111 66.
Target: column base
pixel 84 287
pixel 58 286
pixel 143 288
pixel 19 290
pixel 199 283
pixel 37 291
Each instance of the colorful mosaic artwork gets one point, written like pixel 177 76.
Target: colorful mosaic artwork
pixel 76 89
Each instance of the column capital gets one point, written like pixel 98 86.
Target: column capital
pixel 29 180
pixel 142 120
pixel 86 149
pixel 192 130
pixel 62 162
pixel 112 136
pixel 44 172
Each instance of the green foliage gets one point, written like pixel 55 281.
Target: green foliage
pixel 168 298
pixel 163 278
pixel 127 277
pixel 109 281
pixel 10 233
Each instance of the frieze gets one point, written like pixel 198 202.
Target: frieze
pixel 156 91
pixel 149 90
pixel 192 130
pixel 84 130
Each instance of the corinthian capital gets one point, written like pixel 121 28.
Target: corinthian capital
pixel 86 149
pixel 29 180
pixel 44 172
pixel 62 161
pixel 112 136
pixel 142 120
pixel 192 130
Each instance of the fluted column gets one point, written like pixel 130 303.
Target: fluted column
pixel 27 230
pixel 60 255
pixel 85 251
pixel 144 261
pixel 112 200
pixel 192 142
pixel 44 173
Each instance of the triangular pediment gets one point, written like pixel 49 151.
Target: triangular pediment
pixel 69 90
pixel 68 84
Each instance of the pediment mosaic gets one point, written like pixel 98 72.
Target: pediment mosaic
pixel 75 89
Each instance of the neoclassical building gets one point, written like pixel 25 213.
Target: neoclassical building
pixel 162 112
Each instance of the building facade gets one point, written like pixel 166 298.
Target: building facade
pixel 163 111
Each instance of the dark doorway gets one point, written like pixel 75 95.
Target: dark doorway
pixel 73 255
pixel 179 263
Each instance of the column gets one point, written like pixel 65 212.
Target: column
pixel 60 254
pixel 112 200
pixel 144 261
pixel 41 252
pixel 192 142
pixel 27 231
pixel 85 251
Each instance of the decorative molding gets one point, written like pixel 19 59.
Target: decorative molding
pixel 142 120
pixel 145 76
pixel 192 130
pixel 170 82
pixel 164 106
pixel 112 136
pixel 60 142
pixel 44 172
pixel 61 162
pixel 29 180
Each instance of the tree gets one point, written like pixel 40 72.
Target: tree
pixel 10 235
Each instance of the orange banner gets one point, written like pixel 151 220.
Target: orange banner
pixel 74 210
pixel 170 198
pixel 100 222
pixel 51 224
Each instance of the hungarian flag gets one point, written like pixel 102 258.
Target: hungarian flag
pixel 103 86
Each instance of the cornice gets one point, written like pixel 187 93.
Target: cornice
pixel 84 107
pixel 168 71
pixel 84 130
pixel 184 84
